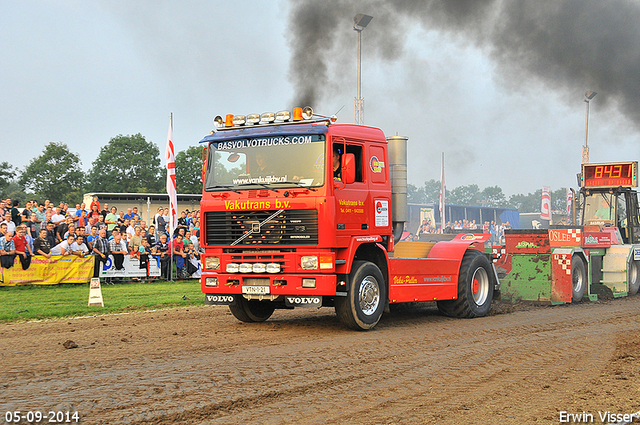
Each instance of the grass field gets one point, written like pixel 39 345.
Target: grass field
pixel 20 303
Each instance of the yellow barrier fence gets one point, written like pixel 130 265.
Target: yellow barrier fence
pixel 43 271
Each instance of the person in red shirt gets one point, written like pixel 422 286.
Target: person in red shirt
pixel 179 256
pixel 23 249
pixel 95 203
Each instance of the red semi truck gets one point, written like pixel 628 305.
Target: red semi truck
pixel 298 211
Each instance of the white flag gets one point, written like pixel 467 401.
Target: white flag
pixel 545 208
pixel 171 179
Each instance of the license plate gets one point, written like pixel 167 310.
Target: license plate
pixel 255 290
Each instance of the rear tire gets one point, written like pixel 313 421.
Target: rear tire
pixel 634 276
pixel 362 308
pixel 252 310
pixel 475 288
pixel 579 276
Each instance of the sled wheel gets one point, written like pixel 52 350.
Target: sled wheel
pixel 634 276
pixel 475 288
pixel 579 274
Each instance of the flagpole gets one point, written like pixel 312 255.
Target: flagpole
pixel 171 216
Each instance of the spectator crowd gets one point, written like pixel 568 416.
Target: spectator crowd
pixel 496 230
pixel 47 229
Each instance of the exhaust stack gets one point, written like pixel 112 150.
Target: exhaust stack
pixel 398 170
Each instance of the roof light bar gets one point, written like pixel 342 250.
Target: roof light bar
pixel 299 114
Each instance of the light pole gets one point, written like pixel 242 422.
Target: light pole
pixel 585 149
pixel 360 21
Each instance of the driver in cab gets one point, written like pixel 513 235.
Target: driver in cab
pixel 337 164
pixel 604 212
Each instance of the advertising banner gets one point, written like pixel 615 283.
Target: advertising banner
pixel 49 271
pixel 130 267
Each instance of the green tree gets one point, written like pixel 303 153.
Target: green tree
pixel 189 170
pixel 529 203
pixel 464 195
pixel 492 196
pixel 56 174
pixel 428 193
pixel 127 164
pixel 559 199
pixel 7 175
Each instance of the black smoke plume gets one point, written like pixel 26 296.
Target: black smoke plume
pixel 567 45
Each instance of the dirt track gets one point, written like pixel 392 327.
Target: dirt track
pixel 200 365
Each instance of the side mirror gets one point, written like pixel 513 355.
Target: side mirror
pixel 348 168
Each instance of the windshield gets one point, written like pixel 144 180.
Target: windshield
pixel 283 161
pixel 599 209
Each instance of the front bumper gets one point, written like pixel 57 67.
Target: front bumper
pixel 279 284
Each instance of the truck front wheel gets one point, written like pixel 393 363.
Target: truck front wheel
pixel 475 288
pixel 252 310
pixel 362 308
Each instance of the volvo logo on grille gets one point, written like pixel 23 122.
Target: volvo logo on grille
pixel 255 227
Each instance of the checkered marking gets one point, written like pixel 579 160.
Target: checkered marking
pixel 564 260
pixel 575 234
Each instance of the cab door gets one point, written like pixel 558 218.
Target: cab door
pixel 351 198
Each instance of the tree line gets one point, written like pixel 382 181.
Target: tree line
pixel 127 164
pixel 491 196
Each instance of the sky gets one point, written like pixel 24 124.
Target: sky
pixel 503 102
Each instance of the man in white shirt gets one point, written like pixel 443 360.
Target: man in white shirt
pixel 11 226
pixel 78 247
pixel 64 247
pixel 57 218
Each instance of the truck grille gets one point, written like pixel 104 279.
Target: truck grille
pixel 288 227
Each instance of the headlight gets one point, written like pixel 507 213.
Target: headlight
pixel 246 268
pixel 309 262
pixel 283 116
pixel 259 268
pixel 211 281
pixel 273 268
pixel 268 117
pixel 232 268
pixel 239 120
pixel 212 263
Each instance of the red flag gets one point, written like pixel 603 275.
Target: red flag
pixel 171 179
pixel 545 208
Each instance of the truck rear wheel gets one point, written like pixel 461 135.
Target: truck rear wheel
pixel 634 276
pixel 362 308
pixel 579 275
pixel 475 288
pixel 252 310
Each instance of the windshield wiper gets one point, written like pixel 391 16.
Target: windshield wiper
pixel 258 184
pixel 223 186
pixel 297 184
